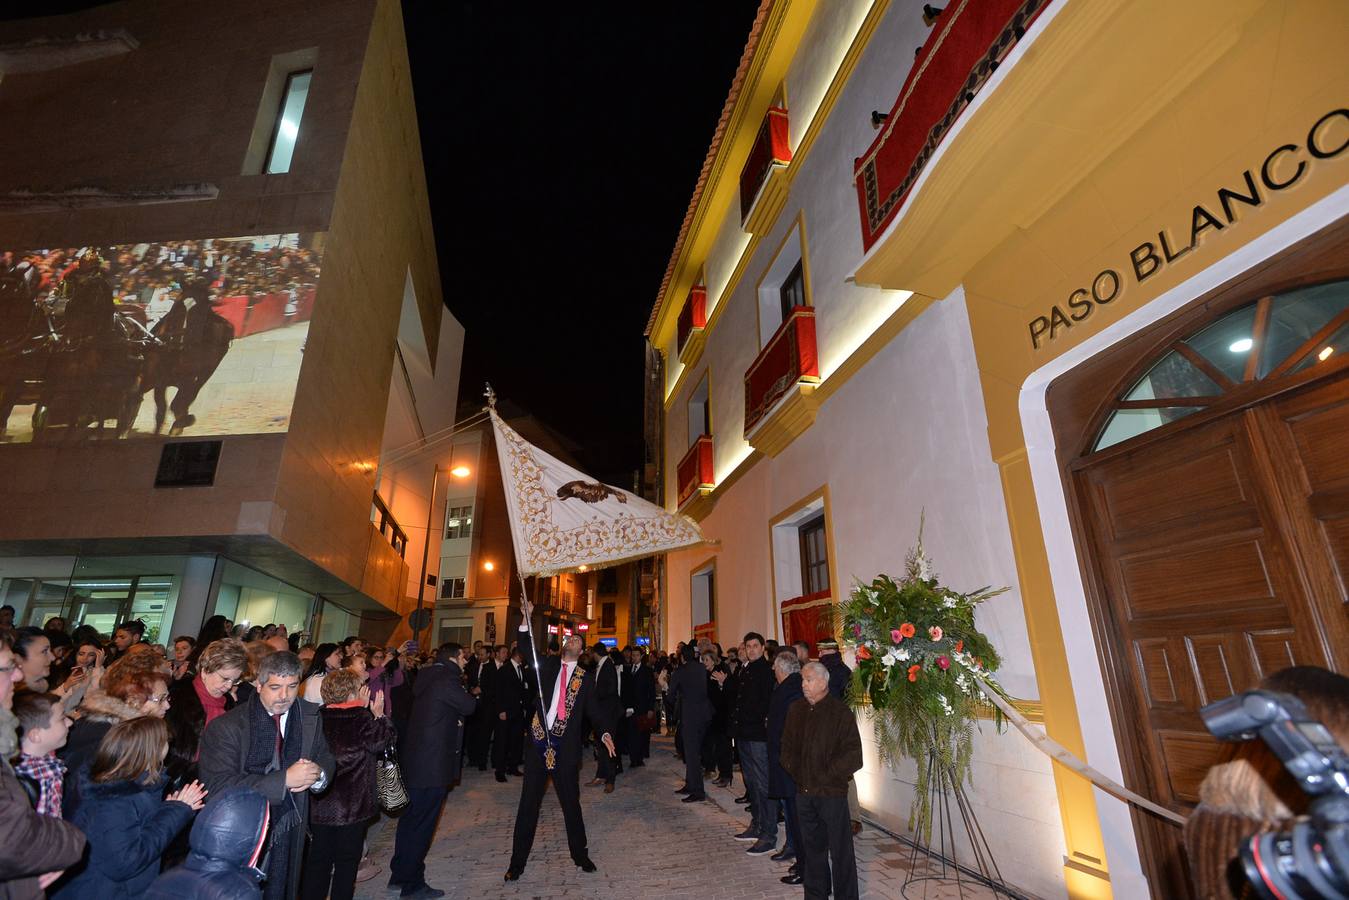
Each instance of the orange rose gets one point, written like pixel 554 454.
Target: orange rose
pixel 960 646
pixel 907 629
pixel 863 652
pixel 913 672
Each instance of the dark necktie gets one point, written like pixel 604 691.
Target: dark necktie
pixel 276 717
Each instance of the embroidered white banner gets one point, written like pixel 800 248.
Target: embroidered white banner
pixel 562 519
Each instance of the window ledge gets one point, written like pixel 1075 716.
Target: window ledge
pixel 772 198
pixel 788 420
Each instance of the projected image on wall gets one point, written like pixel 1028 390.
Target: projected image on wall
pixel 194 337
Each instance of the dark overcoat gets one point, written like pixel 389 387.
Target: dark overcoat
pixel 224 755
pixel 430 753
pixel 787 692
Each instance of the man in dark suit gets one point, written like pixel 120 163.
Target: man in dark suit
pixel 478 676
pixel 508 712
pixel 431 765
pixel 639 700
pixel 689 686
pixel 555 732
pixel 274 744
pixel 606 693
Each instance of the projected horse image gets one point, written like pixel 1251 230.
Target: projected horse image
pixel 212 330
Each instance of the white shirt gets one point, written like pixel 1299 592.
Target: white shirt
pixel 323 776
pixel 563 676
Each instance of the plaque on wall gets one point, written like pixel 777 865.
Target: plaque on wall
pixel 188 464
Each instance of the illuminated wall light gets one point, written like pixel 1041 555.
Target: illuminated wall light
pixel 460 471
pixel 489 565
pixel 1325 354
pixel 1242 345
pixel 846 344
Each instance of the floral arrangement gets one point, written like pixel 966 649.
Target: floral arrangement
pixel 918 653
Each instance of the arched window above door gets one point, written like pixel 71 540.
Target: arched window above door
pixel 1270 338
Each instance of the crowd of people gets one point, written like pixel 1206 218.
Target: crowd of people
pixel 194 769
pixel 245 762
pixel 783 720
pixel 150 276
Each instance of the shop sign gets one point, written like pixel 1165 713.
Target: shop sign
pixel 1282 168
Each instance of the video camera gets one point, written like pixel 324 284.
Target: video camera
pixel 1310 860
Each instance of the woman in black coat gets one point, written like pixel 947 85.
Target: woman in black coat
pixel 357 733
pixel 214 683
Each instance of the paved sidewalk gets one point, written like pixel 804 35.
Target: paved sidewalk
pixel 645 842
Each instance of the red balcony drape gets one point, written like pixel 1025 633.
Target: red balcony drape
pixel 788 357
pixel 967 42
pixel 695 469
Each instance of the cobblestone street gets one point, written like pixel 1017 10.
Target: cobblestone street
pixel 644 841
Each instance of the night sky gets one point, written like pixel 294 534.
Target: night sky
pixel 562 144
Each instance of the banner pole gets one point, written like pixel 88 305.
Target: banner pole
pixel 534 652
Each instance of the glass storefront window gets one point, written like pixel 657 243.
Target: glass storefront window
pixel 104 591
pixel 248 597
pixel 335 623
pixel 97 591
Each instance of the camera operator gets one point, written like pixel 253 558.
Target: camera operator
pixel 1253 792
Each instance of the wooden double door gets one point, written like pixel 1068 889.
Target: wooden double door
pixel 1220 554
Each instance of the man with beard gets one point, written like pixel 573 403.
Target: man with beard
pixel 555 733
pixel 274 744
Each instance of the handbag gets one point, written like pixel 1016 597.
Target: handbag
pixel 389 788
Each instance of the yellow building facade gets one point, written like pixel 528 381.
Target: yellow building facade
pixel 1129 178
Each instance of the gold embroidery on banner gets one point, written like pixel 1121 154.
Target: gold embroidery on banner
pixel 549 548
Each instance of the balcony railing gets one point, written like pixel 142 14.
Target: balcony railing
pixel 692 318
pixel 695 469
pixel 388 526
pixel 963 49
pixel 788 359
pixel 771 148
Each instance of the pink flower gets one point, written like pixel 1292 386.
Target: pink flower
pixel 943 663
pixel 895 635
pixel 857 631
pixel 934 632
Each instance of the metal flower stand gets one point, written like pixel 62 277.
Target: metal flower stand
pixel 942 870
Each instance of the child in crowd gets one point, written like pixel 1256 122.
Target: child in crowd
pixel 124 813
pixel 43 725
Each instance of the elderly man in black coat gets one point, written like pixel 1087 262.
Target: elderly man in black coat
pixel 554 733
pixel 840 676
pixel 787 671
pixel 431 765
pixel 274 744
